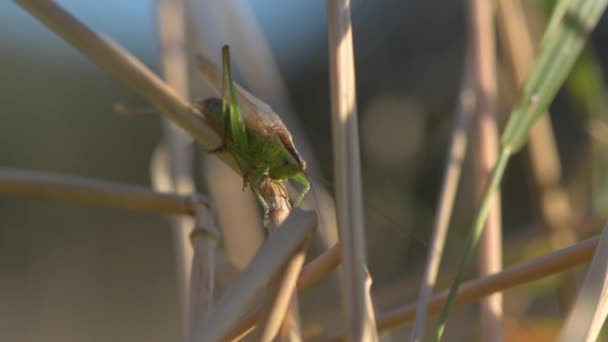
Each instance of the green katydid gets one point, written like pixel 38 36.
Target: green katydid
pixel 253 134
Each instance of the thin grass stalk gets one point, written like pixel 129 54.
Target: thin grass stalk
pixel 280 311
pixel 452 172
pixel 180 151
pixel 552 200
pixel 591 307
pixel 347 166
pixel 555 61
pixel 489 258
pixel 311 274
pixel 129 70
pixel 472 290
pixel 268 262
pixel 204 239
pixel 50 186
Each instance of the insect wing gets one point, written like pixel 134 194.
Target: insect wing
pixel 256 113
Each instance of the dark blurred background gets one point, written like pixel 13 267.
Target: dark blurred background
pixel 73 272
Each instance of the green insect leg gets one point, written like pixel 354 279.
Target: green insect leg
pixel 300 178
pixel 256 177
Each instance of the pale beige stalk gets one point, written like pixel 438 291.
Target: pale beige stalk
pixel 280 311
pixel 180 151
pixel 453 170
pixel 311 274
pixel 589 312
pixel 204 239
pixel 43 185
pixel 268 262
pixel 489 259
pixel 347 169
pixel 472 290
pixel 128 69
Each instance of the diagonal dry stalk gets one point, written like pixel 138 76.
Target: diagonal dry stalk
pixel 472 290
pixel 489 259
pixel 179 151
pixel 129 70
pixel 591 307
pixel 552 200
pixel 267 263
pixel 280 312
pixel 347 169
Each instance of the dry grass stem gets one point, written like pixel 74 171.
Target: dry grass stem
pixel 512 276
pixel 180 151
pixel 589 312
pixel 42 185
pixel 311 274
pixel 280 312
pixel 453 169
pixel 128 69
pixel 552 200
pixel 347 169
pixel 319 267
pixel 481 33
pixel 204 239
pixel 268 262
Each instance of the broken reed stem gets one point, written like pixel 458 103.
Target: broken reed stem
pixel 348 190
pixel 204 239
pixel 452 172
pixel 472 290
pixel 180 151
pixel 280 311
pixel 43 185
pixel 481 33
pixel 552 200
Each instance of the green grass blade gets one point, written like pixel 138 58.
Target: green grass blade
pixel 559 51
pixel 474 234
pixel 552 66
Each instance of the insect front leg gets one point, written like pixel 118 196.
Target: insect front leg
pixel 256 177
pixel 300 178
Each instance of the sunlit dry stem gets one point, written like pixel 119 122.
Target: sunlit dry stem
pixel 180 151
pixel 347 167
pixel 129 70
pixel 280 311
pixel 311 274
pixel 266 264
pixel 489 258
pixel 472 290
pixel 588 314
pixel 204 239
pixel 43 185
